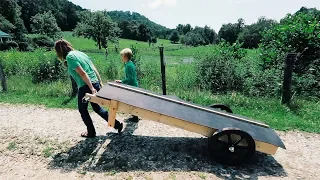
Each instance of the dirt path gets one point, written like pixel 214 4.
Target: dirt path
pixel 40 143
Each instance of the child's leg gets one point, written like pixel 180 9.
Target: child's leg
pixel 83 109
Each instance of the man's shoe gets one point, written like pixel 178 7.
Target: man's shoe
pixel 120 128
pixel 134 119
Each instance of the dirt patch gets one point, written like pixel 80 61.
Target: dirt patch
pixel 41 143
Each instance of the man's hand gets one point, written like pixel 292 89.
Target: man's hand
pixel 118 81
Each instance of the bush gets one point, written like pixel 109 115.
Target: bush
pixel 12 44
pixel 8 45
pixel 48 69
pixel 217 68
pixel 43 42
pixel 3 46
pixel 296 33
pixel 112 70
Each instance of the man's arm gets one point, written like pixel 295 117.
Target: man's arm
pixel 84 76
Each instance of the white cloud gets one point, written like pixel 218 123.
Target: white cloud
pixel 153 4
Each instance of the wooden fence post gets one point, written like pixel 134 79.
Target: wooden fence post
pixel 287 79
pixel 163 72
pixel 3 78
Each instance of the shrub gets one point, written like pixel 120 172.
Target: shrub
pixel 48 69
pixel 12 44
pixel 217 68
pixel 3 46
pixel 112 70
pixel 8 45
pixel 43 41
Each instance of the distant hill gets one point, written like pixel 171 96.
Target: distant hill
pixel 67 16
pixel 156 29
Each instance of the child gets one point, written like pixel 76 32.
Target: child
pixel 87 79
pixel 130 73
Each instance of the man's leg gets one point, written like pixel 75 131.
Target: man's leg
pixel 83 109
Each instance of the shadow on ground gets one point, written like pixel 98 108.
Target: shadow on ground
pixel 144 153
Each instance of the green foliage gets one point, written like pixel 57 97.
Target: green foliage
pixel 64 11
pixel 24 46
pixel 12 44
pixel 154 40
pixel 10 19
pixel 5 25
pixel 112 70
pixel 99 27
pixel 43 41
pixel 193 39
pixel 200 36
pixel 184 29
pixel 230 32
pixel 251 35
pixel 174 37
pixel 45 24
pixel 296 33
pixel 8 45
pixel 128 21
pixel 48 69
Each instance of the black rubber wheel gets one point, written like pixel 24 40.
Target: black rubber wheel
pixel 231 146
pixel 221 107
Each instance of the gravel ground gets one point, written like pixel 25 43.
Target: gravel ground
pixel 40 143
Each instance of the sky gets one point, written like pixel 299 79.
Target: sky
pixel 213 13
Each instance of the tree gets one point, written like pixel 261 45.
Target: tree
pixel 179 28
pixel 174 37
pixel 6 25
pixel 156 30
pixel 230 32
pixel 187 28
pixel 65 12
pixel 210 35
pixel 251 35
pixel 144 33
pixel 45 24
pixel 11 20
pixel 99 27
pixel 194 38
pixel 296 33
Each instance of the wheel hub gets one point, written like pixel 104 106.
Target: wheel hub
pixel 231 149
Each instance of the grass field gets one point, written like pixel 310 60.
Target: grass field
pixel 302 115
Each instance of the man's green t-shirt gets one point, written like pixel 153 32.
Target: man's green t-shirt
pixel 131 74
pixel 75 59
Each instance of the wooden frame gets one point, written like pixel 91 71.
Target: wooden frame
pixel 191 105
pixel 115 106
